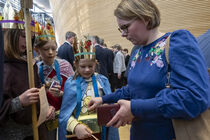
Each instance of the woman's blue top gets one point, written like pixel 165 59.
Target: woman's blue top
pixel 154 105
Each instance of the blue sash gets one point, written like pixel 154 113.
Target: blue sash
pixel 57 69
pixel 79 93
pixel 79 99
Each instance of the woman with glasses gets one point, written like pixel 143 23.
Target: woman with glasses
pixel 145 101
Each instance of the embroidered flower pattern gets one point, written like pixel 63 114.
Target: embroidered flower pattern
pixel 154 54
pixel 133 62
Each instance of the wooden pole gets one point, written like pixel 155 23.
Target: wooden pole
pixel 26 4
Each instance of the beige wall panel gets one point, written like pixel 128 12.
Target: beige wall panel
pixel 193 15
pixel 96 18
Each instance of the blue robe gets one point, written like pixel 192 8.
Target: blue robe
pixel 69 103
pixel 152 103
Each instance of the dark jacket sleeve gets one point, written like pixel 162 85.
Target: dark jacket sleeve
pixel 71 56
pixel 6 98
pixel 110 61
pixel 65 51
pixel 14 85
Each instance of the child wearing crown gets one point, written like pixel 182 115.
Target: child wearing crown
pixel 53 73
pixel 15 110
pixel 78 91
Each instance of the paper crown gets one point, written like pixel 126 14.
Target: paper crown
pixel 11 19
pixel 83 49
pixel 45 33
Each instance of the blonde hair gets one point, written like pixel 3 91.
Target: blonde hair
pixel 144 10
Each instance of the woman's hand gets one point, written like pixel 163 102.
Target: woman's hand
pixel 29 97
pixel 94 103
pixel 51 113
pixel 56 91
pixel 123 115
pixel 82 131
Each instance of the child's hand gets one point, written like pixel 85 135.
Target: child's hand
pixel 82 131
pixel 29 97
pixel 56 91
pixel 94 103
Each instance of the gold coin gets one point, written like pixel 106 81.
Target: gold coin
pixel 84 109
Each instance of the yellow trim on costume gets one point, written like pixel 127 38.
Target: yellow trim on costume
pixel 71 124
pixel 87 117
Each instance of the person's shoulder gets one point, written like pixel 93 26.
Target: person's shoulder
pixel 61 46
pixel 38 63
pixel 61 61
pixel 182 39
pixel 100 76
pixel 183 44
pixel 182 33
pixel 70 80
pixel 121 54
pixel 64 45
pixel 118 53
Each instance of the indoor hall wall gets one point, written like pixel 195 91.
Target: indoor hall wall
pixel 96 18
pixel 87 16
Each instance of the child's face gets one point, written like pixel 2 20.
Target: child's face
pixel 86 67
pixel 22 43
pixel 48 52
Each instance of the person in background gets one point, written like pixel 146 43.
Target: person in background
pixel 110 66
pixel 127 56
pixel 16 110
pixel 146 101
pixel 101 56
pixel 65 50
pixel 129 62
pixel 101 42
pixel 78 91
pixel 110 60
pixel 118 67
pixel 53 73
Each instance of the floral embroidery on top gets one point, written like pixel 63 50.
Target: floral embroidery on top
pixel 133 62
pixel 154 54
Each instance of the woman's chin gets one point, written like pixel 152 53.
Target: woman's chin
pixel 134 42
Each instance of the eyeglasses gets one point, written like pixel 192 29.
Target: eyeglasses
pixel 124 28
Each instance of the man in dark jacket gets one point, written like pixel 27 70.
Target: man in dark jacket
pixel 65 51
pixel 101 56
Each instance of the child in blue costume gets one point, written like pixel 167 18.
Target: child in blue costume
pixel 78 91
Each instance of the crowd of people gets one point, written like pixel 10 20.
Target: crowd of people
pixel 111 62
pixel 52 68
pixel 78 79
